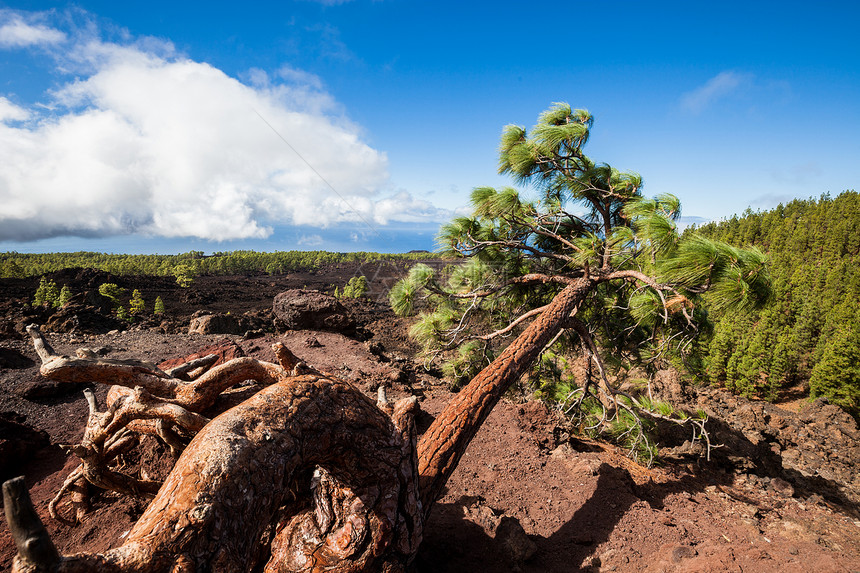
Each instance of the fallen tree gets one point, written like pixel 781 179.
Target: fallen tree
pixel 306 475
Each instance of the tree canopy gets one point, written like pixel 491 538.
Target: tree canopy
pixel 586 233
pixel 801 340
pixel 187 265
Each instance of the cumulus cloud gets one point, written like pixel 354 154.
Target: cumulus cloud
pixel 153 143
pixel 16 33
pixel 404 207
pixel 716 88
pixel 11 112
pixel 314 240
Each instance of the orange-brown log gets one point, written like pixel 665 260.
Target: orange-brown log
pixel 231 491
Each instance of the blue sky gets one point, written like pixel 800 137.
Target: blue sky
pixel 362 125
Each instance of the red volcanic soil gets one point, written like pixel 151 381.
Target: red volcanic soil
pixel 525 497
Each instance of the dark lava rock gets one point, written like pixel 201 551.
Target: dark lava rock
pixel 81 277
pixel 816 450
pixel 38 388
pixel 225 350
pixel 216 324
pixel 682 552
pixel 517 543
pixel 17 441
pixel 300 309
pixel 14 360
pixel 248 324
pixel 80 318
pixel 7 329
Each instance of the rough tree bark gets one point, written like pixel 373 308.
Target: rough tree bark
pixel 143 400
pixel 443 444
pixel 306 475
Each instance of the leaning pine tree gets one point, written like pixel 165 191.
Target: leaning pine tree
pixel 590 264
pixel 308 474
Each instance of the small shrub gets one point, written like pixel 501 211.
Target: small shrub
pixel 355 288
pixel 65 295
pixel 122 314
pixel 113 292
pixel 136 304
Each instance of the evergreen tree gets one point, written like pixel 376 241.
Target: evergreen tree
pixel 184 274
pixel 837 374
pixel 47 293
pixel 136 304
pixel 12 269
pixel 588 265
pixel 355 288
pixel 65 295
pixel 123 314
pixel 158 307
pixel 39 296
pixel 112 292
pixel 815 264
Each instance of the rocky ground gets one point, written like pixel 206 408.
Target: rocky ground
pixel 782 493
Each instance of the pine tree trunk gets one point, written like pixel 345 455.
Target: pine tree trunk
pixel 443 444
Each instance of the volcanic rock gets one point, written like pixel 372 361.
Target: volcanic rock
pixel 226 350
pixel 300 309
pixel 81 319
pixel 17 441
pixel 13 359
pixel 216 324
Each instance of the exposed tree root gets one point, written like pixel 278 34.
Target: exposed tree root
pixel 142 400
pixel 306 475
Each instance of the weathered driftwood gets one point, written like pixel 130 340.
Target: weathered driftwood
pixel 195 395
pixel 306 475
pixel 142 400
pixel 33 542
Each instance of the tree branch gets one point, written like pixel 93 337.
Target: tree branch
pixel 512 325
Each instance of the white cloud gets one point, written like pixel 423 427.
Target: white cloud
pixel 314 240
pixel 16 33
pixel 292 74
pixel 11 112
pixel 404 207
pixel 716 88
pixel 151 143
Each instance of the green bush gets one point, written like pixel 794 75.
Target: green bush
pixel 47 293
pixel 65 295
pixel 122 314
pixel 355 288
pixel 136 305
pixel 113 292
